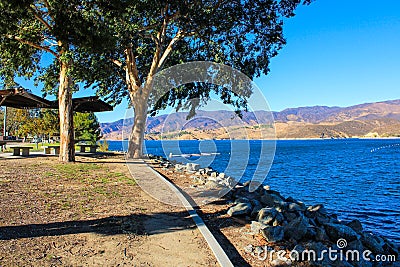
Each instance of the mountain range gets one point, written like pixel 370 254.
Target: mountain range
pixel 379 119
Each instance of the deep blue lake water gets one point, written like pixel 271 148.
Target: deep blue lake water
pixel 357 179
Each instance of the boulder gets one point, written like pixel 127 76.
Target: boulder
pixel 279 219
pixel 267 215
pixel 337 231
pixel 256 227
pixel 319 208
pixel 222 175
pixel 271 200
pixel 212 185
pixel 356 226
pixel 179 167
pixel 320 234
pixel 241 200
pixel 192 167
pixel 240 209
pixel 373 243
pixel 354 246
pixel 273 234
pixel 290 216
pixel 256 210
pixel 296 207
pixel 297 228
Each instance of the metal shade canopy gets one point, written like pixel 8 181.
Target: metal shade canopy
pixel 20 98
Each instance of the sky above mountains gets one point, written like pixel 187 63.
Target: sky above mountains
pixel 338 53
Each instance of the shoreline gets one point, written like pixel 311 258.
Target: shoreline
pixel 269 219
pixel 277 139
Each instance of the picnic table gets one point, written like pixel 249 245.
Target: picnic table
pixel 92 148
pixel 56 148
pixel 17 150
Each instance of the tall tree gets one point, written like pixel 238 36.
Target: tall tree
pixel 154 34
pixel 36 32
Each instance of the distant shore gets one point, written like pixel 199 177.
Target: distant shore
pixel 277 139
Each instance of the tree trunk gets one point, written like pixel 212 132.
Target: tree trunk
pixel 67 146
pixel 136 138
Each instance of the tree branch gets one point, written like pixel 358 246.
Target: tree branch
pixel 132 74
pixel 44 48
pixel 116 62
pixel 169 48
pixel 40 18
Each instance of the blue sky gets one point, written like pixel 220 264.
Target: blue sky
pixel 338 53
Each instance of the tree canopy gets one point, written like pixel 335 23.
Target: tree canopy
pixel 152 35
pixel 38 39
pixel 117 47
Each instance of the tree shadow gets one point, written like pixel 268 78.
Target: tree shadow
pixel 136 224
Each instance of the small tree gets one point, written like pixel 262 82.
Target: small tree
pixel 87 127
pixel 152 35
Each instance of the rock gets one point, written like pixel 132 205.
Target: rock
pixel 373 243
pixel 179 167
pixel 279 219
pixel 248 248
pixel 321 219
pixel 320 234
pixel 242 200
pixel 192 167
pixel 212 185
pixel 222 175
pixel 214 174
pixel 319 207
pixel 199 180
pixel 246 184
pixel 297 228
pixel 256 227
pixel 255 202
pixel 296 207
pixel 337 231
pixel 240 209
pixel 356 226
pixel 256 210
pixel 267 215
pixel 271 200
pixel 352 258
pixel 290 216
pixel 310 234
pixel 320 260
pixel 273 234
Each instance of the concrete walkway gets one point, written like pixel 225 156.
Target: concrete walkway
pixel 163 190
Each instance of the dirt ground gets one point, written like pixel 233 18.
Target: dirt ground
pixel 232 233
pixel 89 213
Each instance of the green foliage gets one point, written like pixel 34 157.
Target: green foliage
pixel 36 35
pixel 87 127
pixel 244 34
pixel 45 122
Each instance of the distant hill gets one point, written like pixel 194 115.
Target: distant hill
pixel 370 119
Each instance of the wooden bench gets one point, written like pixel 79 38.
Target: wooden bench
pixel 47 149
pixel 92 148
pixel 17 150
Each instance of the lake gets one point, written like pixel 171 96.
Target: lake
pixel 355 178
